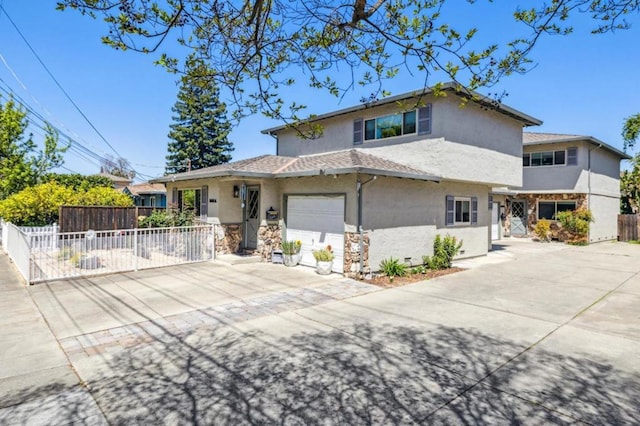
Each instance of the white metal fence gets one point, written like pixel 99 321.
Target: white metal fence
pixel 50 255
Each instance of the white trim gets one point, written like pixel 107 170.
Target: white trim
pixel 461 223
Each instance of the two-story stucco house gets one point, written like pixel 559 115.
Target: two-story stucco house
pixel 381 181
pixel 565 172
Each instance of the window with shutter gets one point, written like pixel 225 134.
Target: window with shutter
pixel 490 202
pixel 572 156
pixel 450 211
pixel 357 131
pixel 424 120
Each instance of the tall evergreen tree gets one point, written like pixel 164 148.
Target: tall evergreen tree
pixel 199 134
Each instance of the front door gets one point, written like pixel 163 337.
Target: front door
pixel 518 218
pixel 252 217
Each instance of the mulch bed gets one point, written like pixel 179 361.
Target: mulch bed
pixel 384 281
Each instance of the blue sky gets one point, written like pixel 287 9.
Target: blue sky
pixel 582 84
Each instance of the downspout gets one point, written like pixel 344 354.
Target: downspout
pixel 589 187
pixel 359 185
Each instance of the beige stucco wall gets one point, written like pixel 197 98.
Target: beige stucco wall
pixel 605 172
pixel 403 217
pixel 605 215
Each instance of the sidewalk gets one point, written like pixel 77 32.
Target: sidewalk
pixel 34 371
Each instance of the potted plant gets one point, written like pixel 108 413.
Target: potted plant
pixel 291 252
pixel 324 260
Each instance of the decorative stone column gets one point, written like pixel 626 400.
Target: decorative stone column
pixel 228 238
pixel 269 238
pixel 352 254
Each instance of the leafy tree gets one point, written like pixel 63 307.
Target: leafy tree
pixel 630 179
pixel 40 204
pixel 21 163
pixel 79 182
pixel 630 188
pixel 117 167
pixel 631 131
pixel 199 134
pixel 252 47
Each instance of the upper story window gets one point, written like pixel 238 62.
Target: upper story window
pixel 390 125
pixel 551 158
pixel 387 126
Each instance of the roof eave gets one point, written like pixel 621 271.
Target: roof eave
pixel 526 119
pixel 238 173
pixel 578 138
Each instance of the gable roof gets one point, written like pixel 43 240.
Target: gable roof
pixel 534 138
pixel 454 88
pixel 333 163
pixel 146 189
pixel 114 178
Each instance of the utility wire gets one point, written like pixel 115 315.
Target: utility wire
pixel 57 83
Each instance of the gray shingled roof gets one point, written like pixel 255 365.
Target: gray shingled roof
pixel 533 138
pixel 333 163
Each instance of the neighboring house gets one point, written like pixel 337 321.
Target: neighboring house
pixel 382 181
pixel 119 182
pixel 147 194
pixel 565 172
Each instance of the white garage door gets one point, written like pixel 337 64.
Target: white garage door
pixel 317 221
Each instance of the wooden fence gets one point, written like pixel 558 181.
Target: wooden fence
pixel 628 227
pixel 100 218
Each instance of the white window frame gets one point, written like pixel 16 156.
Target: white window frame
pixel 555 207
pixel 553 155
pixel 455 211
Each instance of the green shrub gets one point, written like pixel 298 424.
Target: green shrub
pixel 166 218
pixel 444 250
pixel 393 268
pixel 39 205
pixel 543 230
pixel 420 269
pixel 576 222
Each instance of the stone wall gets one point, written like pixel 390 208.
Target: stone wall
pixel 269 238
pixel 352 254
pixel 532 210
pixel 228 238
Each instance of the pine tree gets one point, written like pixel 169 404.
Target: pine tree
pixel 199 134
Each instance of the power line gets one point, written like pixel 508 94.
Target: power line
pixel 57 83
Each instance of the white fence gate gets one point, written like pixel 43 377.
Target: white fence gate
pixel 44 254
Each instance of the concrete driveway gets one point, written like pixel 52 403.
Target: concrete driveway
pixel 551 335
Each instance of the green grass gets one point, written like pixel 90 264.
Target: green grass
pixel 634 241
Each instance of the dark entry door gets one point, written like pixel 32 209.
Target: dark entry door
pixel 518 218
pixel 252 217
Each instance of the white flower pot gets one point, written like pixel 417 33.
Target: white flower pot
pixel 324 268
pixel 291 259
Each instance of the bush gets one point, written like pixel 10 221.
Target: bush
pixel 393 268
pixel 444 250
pixel 40 205
pixel 576 222
pixel 543 230
pixel 166 218
pixel 420 269
pixel 323 255
pixel 77 181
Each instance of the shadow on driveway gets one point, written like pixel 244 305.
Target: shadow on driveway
pixel 227 376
